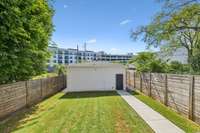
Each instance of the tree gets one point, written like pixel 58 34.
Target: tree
pixel 26 28
pixel 174 5
pixel 148 62
pixel 172 29
pixel 177 67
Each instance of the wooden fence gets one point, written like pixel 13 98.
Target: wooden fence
pixel 179 92
pixel 17 95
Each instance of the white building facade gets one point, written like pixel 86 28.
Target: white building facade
pixel 73 56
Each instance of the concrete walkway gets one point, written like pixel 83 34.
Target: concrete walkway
pixel 155 120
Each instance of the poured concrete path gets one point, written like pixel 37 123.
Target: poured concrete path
pixel 155 120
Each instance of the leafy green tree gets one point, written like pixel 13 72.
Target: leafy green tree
pixel 170 6
pixel 148 62
pixel 177 67
pixel 26 27
pixel 174 28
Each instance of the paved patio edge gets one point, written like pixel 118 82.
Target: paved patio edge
pixel 155 120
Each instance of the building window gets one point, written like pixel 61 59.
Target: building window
pixel 60 52
pixel 66 61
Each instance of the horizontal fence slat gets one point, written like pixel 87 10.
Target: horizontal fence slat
pixel 17 95
pixel 174 91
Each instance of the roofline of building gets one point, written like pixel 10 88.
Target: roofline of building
pixel 95 65
pixel 104 53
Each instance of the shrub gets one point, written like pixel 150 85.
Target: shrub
pixel 60 69
pixel 178 68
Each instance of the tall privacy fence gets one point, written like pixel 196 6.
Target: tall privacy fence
pixel 179 92
pixel 17 95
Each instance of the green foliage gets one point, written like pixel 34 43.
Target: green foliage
pixel 148 62
pixel 174 28
pixel 26 27
pixel 171 6
pixel 195 59
pixel 178 68
pixel 45 75
pixel 60 69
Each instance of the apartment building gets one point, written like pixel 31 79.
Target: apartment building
pixel 72 56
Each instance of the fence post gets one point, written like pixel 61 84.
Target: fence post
pixel 166 91
pixel 140 82
pixel 63 82
pixel 26 84
pixel 41 88
pixel 191 98
pixel 149 85
pixel 134 86
pixel 130 81
pixel 127 79
pixel 66 81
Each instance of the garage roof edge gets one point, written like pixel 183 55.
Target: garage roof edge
pixel 90 65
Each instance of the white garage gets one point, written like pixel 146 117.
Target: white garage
pixel 95 77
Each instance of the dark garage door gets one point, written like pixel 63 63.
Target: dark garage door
pixel 119 81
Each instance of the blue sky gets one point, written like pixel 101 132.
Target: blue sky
pixel 104 24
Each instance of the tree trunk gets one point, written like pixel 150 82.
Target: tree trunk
pixel 190 60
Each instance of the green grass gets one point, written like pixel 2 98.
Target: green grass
pixel 187 125
pixel 88 112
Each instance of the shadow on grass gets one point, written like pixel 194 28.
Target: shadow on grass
pixel 13 121
pixel 92 94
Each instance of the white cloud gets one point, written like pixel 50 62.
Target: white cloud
pixel 91 41
pixel 124 22
pixel 65 6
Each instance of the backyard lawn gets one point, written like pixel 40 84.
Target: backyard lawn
pixel 88 112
